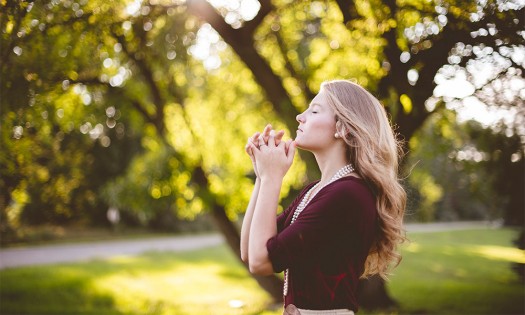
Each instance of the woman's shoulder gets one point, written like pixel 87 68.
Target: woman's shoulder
pixel 349 182
pixel 351 187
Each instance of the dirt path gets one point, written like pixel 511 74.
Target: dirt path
pixel 50 254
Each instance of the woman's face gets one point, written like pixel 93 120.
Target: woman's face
pixel 316 125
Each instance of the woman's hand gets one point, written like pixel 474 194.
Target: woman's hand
pixel 248 148
pixel 255 140
pixel 274 157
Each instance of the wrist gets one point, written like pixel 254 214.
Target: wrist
pixel 270 180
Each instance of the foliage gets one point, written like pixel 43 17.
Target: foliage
pixel 466 172
pixel 448 191
pixel 54 171
pixel 56 135
pixel 147 67
pixel 504 163
pixel 178 109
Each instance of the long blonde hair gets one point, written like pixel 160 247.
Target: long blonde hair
pixel 374 151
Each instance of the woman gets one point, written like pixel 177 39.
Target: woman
pixel 344 226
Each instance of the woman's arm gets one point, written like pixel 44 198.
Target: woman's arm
pixel 273 162
pixel 247 221
pixel 263 226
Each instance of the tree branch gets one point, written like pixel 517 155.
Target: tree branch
pixel 158 101
pixel 348 10
pixel 90 81
pixel 266 8
pixel 301 81
pixel 241 41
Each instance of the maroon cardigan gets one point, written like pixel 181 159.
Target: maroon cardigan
pixel 326 247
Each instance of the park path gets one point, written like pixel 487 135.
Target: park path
pixel 59 253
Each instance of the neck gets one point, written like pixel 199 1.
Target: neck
pixel 329 163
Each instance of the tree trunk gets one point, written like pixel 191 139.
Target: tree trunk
pixel 271 284
pixel 241 41
pixel 373 294
pixel 372 291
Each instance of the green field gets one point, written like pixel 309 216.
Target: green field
pixel 459 272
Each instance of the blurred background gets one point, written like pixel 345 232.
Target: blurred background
pixel 127 119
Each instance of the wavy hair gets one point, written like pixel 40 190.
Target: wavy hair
pixel 374 151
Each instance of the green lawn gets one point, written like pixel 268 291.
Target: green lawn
pixel 460 272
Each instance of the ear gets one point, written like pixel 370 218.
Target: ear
pixel 340 130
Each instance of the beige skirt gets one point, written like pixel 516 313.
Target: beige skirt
pixel 292 310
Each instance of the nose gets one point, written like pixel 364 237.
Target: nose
pixel 299 118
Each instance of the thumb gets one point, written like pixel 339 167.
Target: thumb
pixel 291 150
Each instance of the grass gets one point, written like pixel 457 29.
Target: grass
pixel 459 272
pixel 197 282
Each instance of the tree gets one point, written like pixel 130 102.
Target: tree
pixel 456 173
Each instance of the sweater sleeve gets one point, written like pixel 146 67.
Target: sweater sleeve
pixel 335 209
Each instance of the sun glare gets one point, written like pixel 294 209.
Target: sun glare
pixel 500 253
pixel 208 44
pixel 237 11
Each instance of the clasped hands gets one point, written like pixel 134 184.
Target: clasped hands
pixel 271 157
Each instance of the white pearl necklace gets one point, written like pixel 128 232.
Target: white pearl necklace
pixel 342 172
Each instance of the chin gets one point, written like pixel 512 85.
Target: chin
pixel 301 146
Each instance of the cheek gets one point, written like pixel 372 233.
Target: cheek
pixel 324 127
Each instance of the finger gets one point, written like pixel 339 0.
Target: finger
pixel 260 143
pixel 266 132
pixel 271 139
pixel 253 148
pixel 255 136
pixel 248 149
pixel 282 147
pixel 280 144
pixel 279 137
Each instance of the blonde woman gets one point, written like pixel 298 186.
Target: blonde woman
pixel 343 227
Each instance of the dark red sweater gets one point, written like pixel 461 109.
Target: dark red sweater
pixel 326 247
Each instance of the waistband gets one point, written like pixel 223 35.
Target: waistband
pixel 293 310
pixel 326 312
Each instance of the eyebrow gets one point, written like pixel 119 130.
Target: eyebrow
pixel 315 104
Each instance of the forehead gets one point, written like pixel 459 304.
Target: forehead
pixel 319 99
